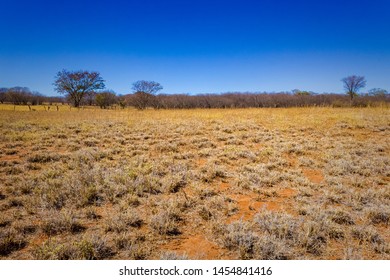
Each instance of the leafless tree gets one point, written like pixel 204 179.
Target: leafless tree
pixel 90 97
pixel 251 100
pixel 19 95
pixel 3 95
pixel 352 84
pixel 76 84
pixel 22 96
pixel 36 98
pixel 144 94
pixel 150 87
pixel 378 92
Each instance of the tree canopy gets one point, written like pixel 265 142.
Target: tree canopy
pixel 352 84
pixel 149 87
pixel 144 94
pixel 76 84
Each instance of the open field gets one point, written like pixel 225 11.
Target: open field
pixel 298 183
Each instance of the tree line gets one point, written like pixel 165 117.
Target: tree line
pixel 256 100
pixel 24 96
pixel 79 84
pixel 81 88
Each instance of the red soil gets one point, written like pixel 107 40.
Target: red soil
pixel 315 176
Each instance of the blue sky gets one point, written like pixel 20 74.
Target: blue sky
pixel 197 46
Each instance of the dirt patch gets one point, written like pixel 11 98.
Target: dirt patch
pixel 39 240
pixel 201 162
pixel 258 147
pixel 10 157
pixel 196 247
pixel 336 250
pixel 291 159
pixel 314 176
pixel 287 192
pixel 248 207
pixel 224 186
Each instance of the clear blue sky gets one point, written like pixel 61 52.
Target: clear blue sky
pixel 197 46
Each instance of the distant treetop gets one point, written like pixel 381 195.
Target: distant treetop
pixel 352 84
pixel 149 87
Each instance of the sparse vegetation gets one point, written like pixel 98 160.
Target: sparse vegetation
pixel 271 183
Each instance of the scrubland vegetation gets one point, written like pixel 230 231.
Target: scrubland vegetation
pixel 271 183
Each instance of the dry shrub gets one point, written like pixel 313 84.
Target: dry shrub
pixel 88 248
pixel 269 247
pixel 168 218
pixel 366 234
pixel 341 217
pixel 122 221
pixel 378 215
pixel 239 237
pixel 55 222
pixel 43 158
pixel 211 172
pixel 133 246
pixel 11 240
pixel 52 194
pixel 313 237
pixel 165 223
pixel 171 255
pixel 93 248
pixel 172 184
pixel 91 214
pixel 205 213
pixel 4 220
pixel 279 225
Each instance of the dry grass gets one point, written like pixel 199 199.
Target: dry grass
pixel 307 183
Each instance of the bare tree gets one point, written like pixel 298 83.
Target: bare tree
pixel 36 98
pixel 77 84
pixel 378 92
pixel 3 95
pixel 352 84
pixel 144 94
pixel 90 97
pixel 19 95
pixel 247 100
pixel 150 87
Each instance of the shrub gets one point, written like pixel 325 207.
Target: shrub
pixel 166 222
pixel 238 237
pixel 269 247
pixel 134 246
pixel 341 218
pixel 366 234
pixel 56 222
pixel 170 255
pixel 88 248
pixel 11 241
pixel 121 222
pixel 279 225
pixel 379 215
